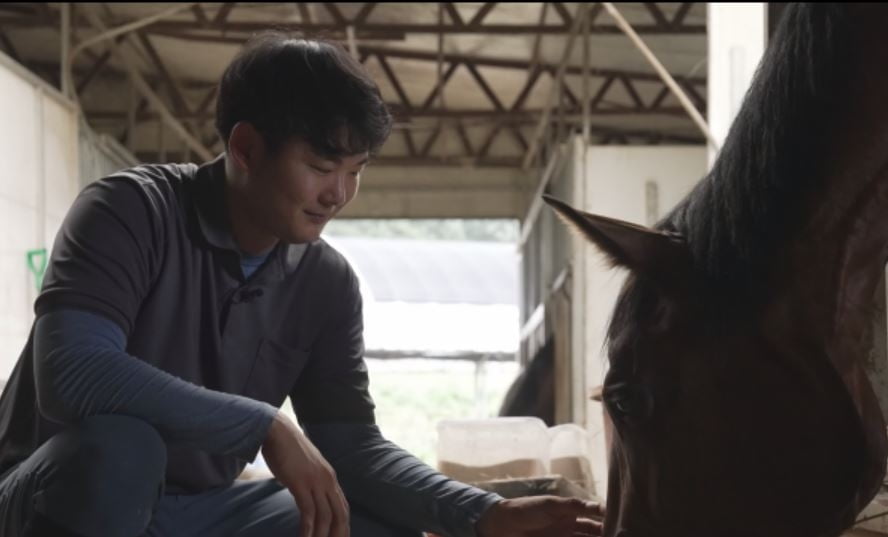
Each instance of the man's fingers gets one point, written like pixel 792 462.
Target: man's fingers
pixel 323 514
pixel 306 506
pixel 341 525
pixel 585 523
pixel 573 528
pixel 577 507
pixel 561 528
pixel 593 510
pixel 587 527
pixel 589 509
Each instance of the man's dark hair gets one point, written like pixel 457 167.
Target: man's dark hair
pixel 307 90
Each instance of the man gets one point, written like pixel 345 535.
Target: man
pixel 183 304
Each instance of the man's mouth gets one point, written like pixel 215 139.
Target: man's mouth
pixel 317 218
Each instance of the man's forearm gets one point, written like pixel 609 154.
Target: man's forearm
pixel 81 369
pixel 388 481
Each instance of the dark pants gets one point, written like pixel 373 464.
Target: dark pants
pixel 104 478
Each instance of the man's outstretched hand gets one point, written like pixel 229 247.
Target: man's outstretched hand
pixel 541 516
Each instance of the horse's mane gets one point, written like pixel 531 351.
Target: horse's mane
pixel 743 210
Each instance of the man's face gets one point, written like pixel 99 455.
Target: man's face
pixel 293 193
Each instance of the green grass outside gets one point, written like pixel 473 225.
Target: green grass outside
pixel 412 396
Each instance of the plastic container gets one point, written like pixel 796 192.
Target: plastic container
pixel 569 454
pixel 474 451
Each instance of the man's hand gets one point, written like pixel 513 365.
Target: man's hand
pixel 300 467
pixel 541 516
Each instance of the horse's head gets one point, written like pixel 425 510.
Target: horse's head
pixel 727 421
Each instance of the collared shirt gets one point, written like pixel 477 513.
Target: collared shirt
pixel 149 249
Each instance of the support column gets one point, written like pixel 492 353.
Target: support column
pixel 737 38
pixel 64 79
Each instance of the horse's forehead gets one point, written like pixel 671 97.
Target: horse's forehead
pixel 643 311
pixel 623 341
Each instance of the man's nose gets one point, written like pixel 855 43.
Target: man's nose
pixel 334 192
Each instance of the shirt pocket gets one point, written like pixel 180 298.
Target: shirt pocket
pixel 274 372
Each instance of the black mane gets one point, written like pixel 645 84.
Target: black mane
pixel 743 210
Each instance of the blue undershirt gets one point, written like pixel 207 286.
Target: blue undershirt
pixel 251 263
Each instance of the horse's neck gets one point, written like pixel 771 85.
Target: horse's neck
pixel 834 266
pixel 845 235
pixel 840 271
pixel 831 275
pixel 842 287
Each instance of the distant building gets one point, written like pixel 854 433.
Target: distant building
pixel 436 299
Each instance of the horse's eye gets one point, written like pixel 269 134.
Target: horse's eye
pixel 628 402
pixel 622 403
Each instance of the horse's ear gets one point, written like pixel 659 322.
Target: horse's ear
pixel 640 249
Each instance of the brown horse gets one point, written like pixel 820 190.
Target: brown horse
pixel 735 385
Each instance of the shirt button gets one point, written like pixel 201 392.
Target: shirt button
pixel 249 295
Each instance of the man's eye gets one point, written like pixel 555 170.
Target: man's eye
pixel 321 170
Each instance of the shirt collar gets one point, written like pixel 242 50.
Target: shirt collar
pixel 209 201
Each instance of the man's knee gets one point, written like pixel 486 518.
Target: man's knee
pixel 108 450
pixel 106 475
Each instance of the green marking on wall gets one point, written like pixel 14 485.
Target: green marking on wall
pixel 37 260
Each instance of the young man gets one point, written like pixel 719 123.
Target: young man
pixel 183 304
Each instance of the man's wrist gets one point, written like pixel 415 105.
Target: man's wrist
pixel 488 517
pixel 280 425
pixel 265 415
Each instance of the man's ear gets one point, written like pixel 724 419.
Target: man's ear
pixel 660 255
pixel 244 143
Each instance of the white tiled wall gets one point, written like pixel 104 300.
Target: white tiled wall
pixel 18 140
pixel 60 151
pixel 38 181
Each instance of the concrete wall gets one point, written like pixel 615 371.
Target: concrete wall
pixel 100 155
pixel 737 36
pixel 38 148
pixel 41 142
pixel 640 185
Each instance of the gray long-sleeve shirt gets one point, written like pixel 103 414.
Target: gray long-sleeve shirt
pixel 206 353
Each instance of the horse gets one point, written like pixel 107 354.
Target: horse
pixel 736 385
pixel 532 393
